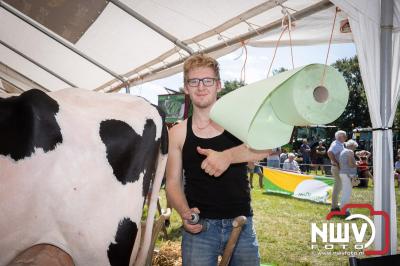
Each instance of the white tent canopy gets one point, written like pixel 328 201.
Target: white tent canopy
pixel 127 48
pixel 106 45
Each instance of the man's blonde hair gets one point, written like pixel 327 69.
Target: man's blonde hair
pixel 199 60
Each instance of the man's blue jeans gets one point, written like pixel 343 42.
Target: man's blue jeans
pixel 203 249
pixel 273 163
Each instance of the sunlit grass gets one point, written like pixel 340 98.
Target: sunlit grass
pixel 283 227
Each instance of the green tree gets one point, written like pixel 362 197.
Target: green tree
pixel 278 70
pixel 396 122
pixel 230 85
pixel 356 113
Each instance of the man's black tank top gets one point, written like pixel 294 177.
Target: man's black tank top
pixel 223 197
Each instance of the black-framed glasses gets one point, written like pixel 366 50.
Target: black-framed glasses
pixel 207 82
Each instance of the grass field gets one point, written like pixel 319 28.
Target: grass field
pixel 283 227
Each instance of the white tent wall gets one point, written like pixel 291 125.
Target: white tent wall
pixel 30 70
pixel 117 44
pixel 14 82
pixel 177 69
pixel 46 51
pixel 262 30
pixel 365 21
pixel 132 50
pixel 311 30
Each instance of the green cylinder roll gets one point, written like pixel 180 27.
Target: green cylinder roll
pixel 263 114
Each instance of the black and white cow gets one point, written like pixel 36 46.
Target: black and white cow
pixel 75 168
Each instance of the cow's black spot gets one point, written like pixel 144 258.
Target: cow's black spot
pixel 119 253
pixel 27 122
pixel 151 154
pixel 122 143
pixel 130 154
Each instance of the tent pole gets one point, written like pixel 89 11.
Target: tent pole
pixel 153 26
pixel 385 109
pixel 58 39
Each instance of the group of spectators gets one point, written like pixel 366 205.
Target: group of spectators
pixel 348 166
pixel 319 157
pixel 345 168
pixel 300 161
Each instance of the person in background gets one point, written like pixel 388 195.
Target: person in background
pixel 298 157
pixel 282 157
pixel 306 152
pixel 290 164
pixel 255 169
pixel 347 171
pixel 363 167
pixel 273 159
pixel 397 170
pixel 320 152
pixel 333 153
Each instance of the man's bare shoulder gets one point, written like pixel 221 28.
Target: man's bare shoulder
pixel 177 133
pixel 179 128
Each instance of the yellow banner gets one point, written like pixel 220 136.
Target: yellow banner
pixel 309 187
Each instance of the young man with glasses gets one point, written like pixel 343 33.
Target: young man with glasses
pixel 213 163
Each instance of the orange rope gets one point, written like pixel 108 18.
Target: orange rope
pixel 243 71
pixel 276 48
pixel 329 47
pixel 291 48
